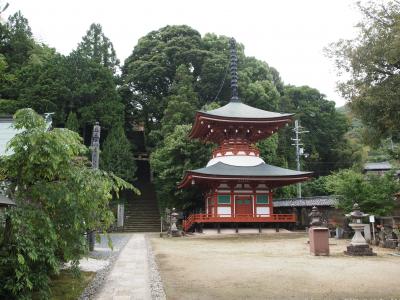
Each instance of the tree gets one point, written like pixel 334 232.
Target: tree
pixel 372 62
pixel 117 156
pixel 97 47
pixel 150 70
pixel 149 73
pixel 36 76
pixel 16 41
pixel 72 122
pixel 59 197
pixel 182 103
pixel 61 84
pixel 374 193
pixel 325 142
pixel 169 162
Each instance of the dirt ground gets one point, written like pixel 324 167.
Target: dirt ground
pixel 271 266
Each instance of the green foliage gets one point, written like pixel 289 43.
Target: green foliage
pixel 325 143
pixel 59 197
pixel 269 150
pixel 97 47
pixel 374 193
pixel 169 162
pixel 371 60
pixel 182 102
pixel 16 41
pixel 117 156
pixel 315 187
pixel 150 72
pixel 34 75
pixel 72 122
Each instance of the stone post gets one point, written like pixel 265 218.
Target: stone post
pixel 318 235
pixel 95 147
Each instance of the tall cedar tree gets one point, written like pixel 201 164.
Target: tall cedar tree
pixel 117 154
pixel 97 47
pixel 72 122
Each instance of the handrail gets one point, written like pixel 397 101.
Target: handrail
pixel 244 218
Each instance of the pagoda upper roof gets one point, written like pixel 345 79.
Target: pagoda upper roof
pixel 276 176
pixel 242 111
pixel 261 123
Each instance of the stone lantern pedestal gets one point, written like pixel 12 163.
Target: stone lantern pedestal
pixel 358 245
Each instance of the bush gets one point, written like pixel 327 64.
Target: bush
pixel 59 198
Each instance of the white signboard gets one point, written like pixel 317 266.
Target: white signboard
pixel 120 215
pixel 372 219
pixel 262 211
pixel 224 211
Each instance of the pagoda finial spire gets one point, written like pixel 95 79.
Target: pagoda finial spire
pixel 234 73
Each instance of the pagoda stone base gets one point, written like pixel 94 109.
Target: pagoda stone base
pixel 359 250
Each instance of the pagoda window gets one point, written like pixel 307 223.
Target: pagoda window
pixel 224 199
pixel 262 199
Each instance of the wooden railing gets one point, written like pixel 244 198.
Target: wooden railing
pixel 222 218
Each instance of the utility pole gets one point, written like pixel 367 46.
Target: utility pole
pixel 299 150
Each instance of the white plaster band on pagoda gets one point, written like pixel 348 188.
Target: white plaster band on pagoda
pixel 237 160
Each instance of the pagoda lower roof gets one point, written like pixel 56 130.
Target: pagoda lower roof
pixel 272 175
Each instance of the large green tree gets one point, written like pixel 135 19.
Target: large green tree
pixel 35 76
pixel 59 197
pixel 371 64
pixel 182 102
pixel 97 47
pixel 16 41
pixel 374 193
pixel 169 162
pixel 325 142
pixel 149 71
pixel 117 155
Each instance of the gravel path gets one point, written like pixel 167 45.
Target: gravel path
pixel 156 285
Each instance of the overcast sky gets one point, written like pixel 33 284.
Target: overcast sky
pixel 288 34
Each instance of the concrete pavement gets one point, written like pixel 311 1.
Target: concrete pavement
pixel 129 277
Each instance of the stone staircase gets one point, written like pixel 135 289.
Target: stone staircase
pixel 141 212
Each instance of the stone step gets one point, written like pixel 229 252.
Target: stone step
pixel 141 212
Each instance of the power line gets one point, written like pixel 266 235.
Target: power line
pixel 222 83
pixel 299 150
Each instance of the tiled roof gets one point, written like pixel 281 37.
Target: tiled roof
pixel 307 201
pixel 378 166
pixel 5 200
pixel 7 132
pixel 241 110
pixel 259 170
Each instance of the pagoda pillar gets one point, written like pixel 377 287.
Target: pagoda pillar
pixel 270 202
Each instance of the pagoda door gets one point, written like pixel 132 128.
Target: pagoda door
pixel 243 205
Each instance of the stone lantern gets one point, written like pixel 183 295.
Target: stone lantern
pixel 315 217
pixel 358 245
pixel 173 229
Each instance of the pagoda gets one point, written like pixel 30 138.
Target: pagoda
pixel 237 183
